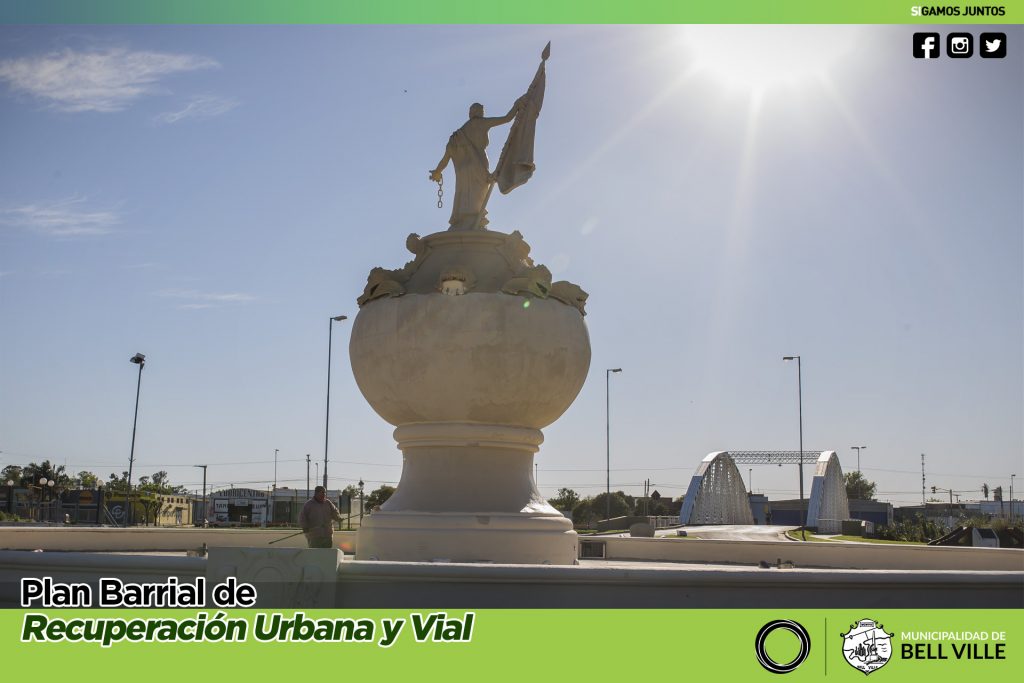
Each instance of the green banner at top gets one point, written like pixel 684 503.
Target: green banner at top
pixel 517 12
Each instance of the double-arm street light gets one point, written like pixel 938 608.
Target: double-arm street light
pixel 139 360
pixel 800 399
pixel 327 428
pixel 951 492
pixel 858 449
pixel 608 442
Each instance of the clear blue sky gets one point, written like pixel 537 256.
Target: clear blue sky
pixel 209 196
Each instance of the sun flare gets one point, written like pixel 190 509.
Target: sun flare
pixel 757 58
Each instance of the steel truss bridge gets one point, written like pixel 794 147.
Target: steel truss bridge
pixel 774 457
pixel 717 494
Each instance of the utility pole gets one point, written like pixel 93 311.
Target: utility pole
pixel 204 489
pixel 923 502
pixel 307 475
pixel 1013 515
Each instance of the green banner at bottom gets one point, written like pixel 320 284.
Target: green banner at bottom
pixel 464 645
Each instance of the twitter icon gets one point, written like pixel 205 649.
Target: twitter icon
pixel 992 45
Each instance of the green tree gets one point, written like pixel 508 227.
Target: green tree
pixel 11 473
pixel 567 499
pixel 620 505
pixel 859 488
pixel 379 496
pixel 85 480
pixel 159 482
pixel 118 484
pixel 583 514
pixel 33 472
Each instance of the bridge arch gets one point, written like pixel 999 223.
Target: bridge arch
pixel 716 494
pixel 828 505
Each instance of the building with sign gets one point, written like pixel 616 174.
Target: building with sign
pixel 237 507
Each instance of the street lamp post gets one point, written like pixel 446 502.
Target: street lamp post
pixel 42 493
pixel 139 360
pixel 608 442
pixel 204 490
pixel 750 478
pixel 10 496
pixel 327 426
pixel 307 475
pixel 858 449
pixel 800 399
pixel 361 504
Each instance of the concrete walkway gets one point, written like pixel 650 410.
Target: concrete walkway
pixel 732 532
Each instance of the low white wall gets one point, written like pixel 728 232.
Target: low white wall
pixel 825 554
pixel 590 585
pixel 100 539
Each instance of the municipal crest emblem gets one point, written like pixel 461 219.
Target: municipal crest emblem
pixel 866 646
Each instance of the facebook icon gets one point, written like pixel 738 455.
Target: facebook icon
pixel 926 45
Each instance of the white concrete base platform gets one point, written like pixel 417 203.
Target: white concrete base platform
pixel 500 538
pixel 604 584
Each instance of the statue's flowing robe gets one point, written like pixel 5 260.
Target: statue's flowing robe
pixel 471 181
pixel 515 166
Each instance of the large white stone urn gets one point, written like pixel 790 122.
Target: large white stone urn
pixel 469 351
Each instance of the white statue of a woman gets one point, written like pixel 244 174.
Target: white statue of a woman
pixel 466 149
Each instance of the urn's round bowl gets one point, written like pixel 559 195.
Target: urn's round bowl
pixel 480 357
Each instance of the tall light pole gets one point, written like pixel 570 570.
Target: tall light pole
pixel 327 427
pixel 307 475
pixel 275 467
pixel 858 449
pixel 800 399
pixel 608 442
pixel 204 488
pixel 139 360
pixel 750 478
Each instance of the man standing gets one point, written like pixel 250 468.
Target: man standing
pixel 317 519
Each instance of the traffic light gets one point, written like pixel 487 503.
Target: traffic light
pixel 933 489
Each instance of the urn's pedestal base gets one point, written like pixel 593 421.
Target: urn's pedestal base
pixel 467 494
pixel 458 537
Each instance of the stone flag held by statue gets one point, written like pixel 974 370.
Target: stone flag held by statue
pixel 515 166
